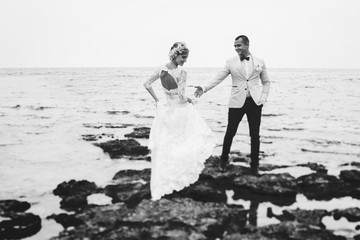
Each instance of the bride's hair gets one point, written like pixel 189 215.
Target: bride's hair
pixel 177 49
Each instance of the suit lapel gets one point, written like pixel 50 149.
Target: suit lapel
pixel 254 62
pixel 241 68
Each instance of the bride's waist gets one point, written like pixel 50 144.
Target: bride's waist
pixel 172 97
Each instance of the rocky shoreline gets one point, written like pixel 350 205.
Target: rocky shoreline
pixel 200 211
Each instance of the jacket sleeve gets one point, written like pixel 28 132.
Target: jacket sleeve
pixel 218 78
pixel 265 81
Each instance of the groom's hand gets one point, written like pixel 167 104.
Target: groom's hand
pixel 199 91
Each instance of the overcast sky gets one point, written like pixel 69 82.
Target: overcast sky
pixel 139 33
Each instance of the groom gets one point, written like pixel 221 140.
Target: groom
pixel 247 97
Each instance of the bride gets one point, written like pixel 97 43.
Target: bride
pixel 180 141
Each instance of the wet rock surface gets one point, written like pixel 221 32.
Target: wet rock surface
pixel 163 219
pixel 284 231
pixel 17 224
pixel 270 184
pixel 351 176
pixel 74 193
pixel 204 190
pixel 315 167
pixel 66 220
pixel 118 148
pixel 140 132
pixel 130 187
pixel 321 186
pixel 129 193
pixel 308 217
pixel 96 137
pixel 13 205
pixel 351 214
pixel 200 211
pixel 357 164
pixel 130 175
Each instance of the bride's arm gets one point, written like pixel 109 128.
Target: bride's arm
pixel 149 81
pixel 182 86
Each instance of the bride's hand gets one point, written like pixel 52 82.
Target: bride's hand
pixel 199 91
pixel 190 101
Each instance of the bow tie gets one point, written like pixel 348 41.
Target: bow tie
pixel 244 58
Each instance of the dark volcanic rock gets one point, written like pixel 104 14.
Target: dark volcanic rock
pixel 72 203
pixel 204 190
pixel 273 184
pixel 308 217
pixel 351 214
pixel 20 225
pixel 224 179
pixel 246 194
pixel 128 176
pixel 73 187
pixel 212 219
pixel 66 220
pixel 164 219
pixel 17 224
pixel 129 193
pixel 356 164
pixel 315 167
pixel 131 186
pixel 117 148
pixel 97 222
pixel 74 193
pixel 13 205
pixel 284 231
pixel 141 158
pixel 270 167
pixel 321 186
pixel 351 176
pixel 140 132
pixel 280 189
pixel 95 137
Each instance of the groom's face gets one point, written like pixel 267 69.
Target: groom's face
pixel 240 47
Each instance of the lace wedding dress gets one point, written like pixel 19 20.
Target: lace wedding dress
pixel 180 141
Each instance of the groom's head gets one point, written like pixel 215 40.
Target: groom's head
pixel 244 39
pixel 241 45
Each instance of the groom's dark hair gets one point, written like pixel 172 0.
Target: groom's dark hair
pixel 243 38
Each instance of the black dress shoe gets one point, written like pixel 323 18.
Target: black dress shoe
pixel 222 164
pixel 255 171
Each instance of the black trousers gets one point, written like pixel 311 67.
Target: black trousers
pixel 253 113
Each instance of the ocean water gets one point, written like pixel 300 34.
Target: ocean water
pixel 312 115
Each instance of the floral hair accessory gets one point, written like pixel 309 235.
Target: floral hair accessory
pixel 179 49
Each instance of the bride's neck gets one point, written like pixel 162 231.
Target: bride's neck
pixel 171 65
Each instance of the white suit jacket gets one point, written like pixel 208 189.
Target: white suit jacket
pixel 240 83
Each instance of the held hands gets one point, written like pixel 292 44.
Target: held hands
pixel 190 101
pixel 199 91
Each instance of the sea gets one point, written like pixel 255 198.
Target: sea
pixel 311 115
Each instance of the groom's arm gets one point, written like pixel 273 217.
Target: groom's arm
pixel 218 78
pixel 265 81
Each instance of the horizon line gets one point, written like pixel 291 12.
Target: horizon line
pixel 339 68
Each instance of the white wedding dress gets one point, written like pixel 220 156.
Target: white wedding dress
pixel 180 141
